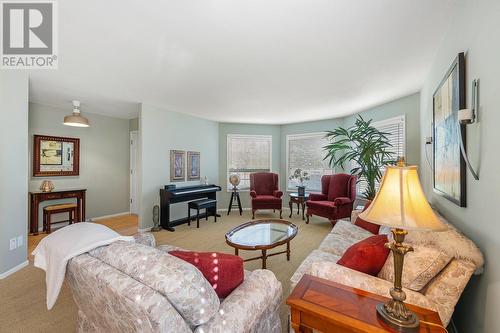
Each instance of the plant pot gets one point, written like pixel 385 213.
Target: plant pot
pixel 301 190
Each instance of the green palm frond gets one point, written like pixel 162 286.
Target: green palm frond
pixel 363 144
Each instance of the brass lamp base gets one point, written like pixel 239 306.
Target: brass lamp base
pixel 395 313
pixel 409 325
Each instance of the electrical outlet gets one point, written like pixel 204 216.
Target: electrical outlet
pixel 12 244
pixel 19 241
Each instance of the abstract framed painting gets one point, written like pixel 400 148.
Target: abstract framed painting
pixel 55 156
pixel 449 166
pixel 193 162
pixel 177 165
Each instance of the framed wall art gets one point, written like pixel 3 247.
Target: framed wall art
pixel 55 156
pixel 177 165
pixel 449 165
pixel 193 163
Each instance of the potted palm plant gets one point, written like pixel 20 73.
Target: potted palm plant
pixel 366 149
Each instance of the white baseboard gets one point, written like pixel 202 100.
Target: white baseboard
pixel 247 209
pixel 232 209
pixel 144 229
pixel 14 269
pixel 108 216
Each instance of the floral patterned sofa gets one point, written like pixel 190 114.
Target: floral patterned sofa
pixel 136 287
pixel 455 256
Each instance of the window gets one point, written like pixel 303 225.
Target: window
pixel 305 151
pixel 396 133
pixel 247 154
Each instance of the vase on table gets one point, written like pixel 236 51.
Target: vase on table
pixel 301 190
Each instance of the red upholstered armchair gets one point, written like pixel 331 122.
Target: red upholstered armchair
pixel 265 193
pixel 336 199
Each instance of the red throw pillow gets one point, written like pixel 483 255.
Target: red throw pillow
pixel 371 227
pixel 367 256
pixel 223 271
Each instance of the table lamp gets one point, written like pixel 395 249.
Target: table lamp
pixel 47 186
pixel 400 204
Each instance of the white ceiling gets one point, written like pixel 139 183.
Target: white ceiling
pixel 256 61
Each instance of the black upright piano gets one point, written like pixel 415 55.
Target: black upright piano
pixel 171 194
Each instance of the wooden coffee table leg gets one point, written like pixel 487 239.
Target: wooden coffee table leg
pixel 291 208
pixel 288 251
pixel 236 251
pixel 264 258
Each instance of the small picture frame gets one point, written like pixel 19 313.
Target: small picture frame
pixel 177 165
pixel 55 156
pixel 193 165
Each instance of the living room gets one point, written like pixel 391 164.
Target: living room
pixel 208 147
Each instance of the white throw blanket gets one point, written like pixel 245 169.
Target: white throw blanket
pixel 54 251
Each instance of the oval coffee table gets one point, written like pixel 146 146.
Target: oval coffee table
pixel 262 235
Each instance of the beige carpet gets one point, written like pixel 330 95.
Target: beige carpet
pixel 22 295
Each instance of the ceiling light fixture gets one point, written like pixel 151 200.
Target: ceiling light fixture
pixel 76 119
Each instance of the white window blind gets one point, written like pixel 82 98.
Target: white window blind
pixel 305 151
pixel 247 154
pixel 395 130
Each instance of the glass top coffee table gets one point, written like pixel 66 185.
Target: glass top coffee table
pixel 262 235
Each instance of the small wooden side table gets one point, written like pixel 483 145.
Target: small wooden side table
pixel 328 306
pixel 300 200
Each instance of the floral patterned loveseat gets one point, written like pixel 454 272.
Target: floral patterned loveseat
pixel 136 287
pixel 460 258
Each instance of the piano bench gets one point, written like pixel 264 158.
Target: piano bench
pixel 210 206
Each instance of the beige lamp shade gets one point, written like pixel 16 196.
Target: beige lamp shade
pixel 401 203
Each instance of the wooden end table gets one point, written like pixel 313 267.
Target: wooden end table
pixel 328 306
pixel 300 200
pixel 262 235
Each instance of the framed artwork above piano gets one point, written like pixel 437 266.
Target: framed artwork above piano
pixel 177 165
pixel 193 165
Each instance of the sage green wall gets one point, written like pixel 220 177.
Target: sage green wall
pixel 409 105
pixel 104 158
pixel 161 131
pixel 474 30
pixel 13 167
pixel 251 129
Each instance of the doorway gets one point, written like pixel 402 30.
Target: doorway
pixel 134 145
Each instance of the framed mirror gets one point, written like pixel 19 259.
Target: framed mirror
pixel 55 156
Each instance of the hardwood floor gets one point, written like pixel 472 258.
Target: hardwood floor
pixel 124 224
